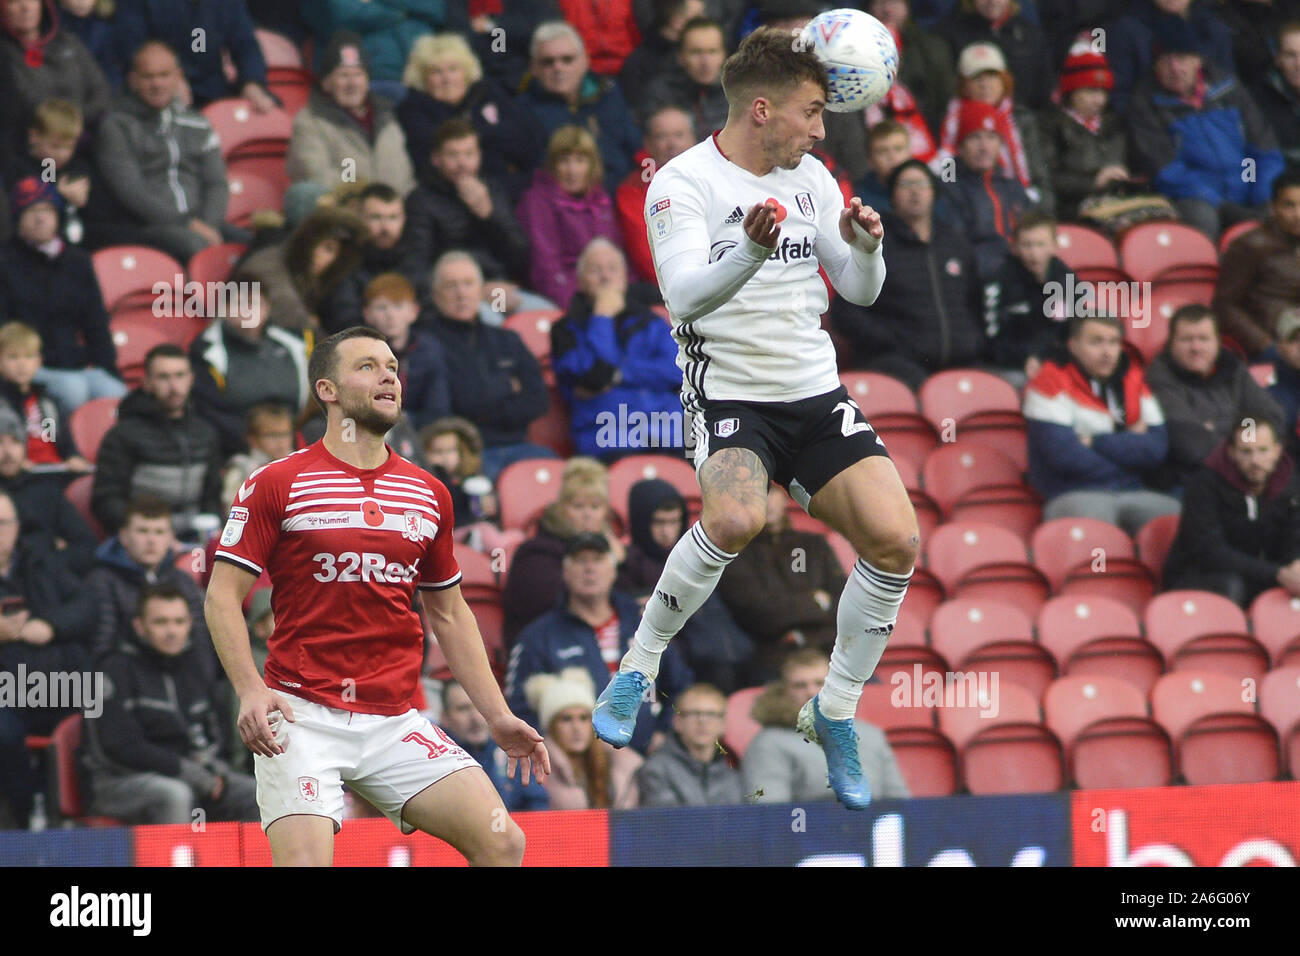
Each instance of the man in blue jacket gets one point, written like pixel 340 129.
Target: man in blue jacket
pixel 592 628
pixel 1095 430
pixel 1200 137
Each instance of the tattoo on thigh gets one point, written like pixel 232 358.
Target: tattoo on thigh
pixel 737 473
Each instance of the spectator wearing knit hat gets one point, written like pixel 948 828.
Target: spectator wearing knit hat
pixel 1083 140
pixel 51 287
pixel 984 77
pixel 1196 132
pixel 345 132
pixel 986 204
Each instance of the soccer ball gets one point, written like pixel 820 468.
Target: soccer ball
pixel 859 54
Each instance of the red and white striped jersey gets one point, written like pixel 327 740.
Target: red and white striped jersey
pixel 345 549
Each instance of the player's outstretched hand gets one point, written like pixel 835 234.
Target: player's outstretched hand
pixel 865 219
pixel 761 223
pixel 257 711
pixel 523 746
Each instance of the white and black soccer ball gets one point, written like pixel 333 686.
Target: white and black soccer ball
pixel 860 57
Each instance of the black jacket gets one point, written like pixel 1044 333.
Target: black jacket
pixel 928 310
pixel 1280 105
pixel 1233 532
pixel 49 411
pixel 178 459
pixel 438 220
pixel 481 362
pixel 986 206
pixel 60 298
pixel 1075 155
pixel 341 307
pixel 1016 314
pixel 52 593
pixel 45 513
pixel 1022 42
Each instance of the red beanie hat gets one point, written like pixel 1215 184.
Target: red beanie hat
pixel 974 115
pixel 1085 69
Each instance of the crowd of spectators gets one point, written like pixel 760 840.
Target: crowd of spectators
pixel 458 164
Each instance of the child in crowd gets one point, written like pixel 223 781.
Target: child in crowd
pixel 49 440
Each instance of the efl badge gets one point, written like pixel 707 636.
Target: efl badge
pixel 728 426
pixel 805 204
pixel 411 525
pixel 661 219
pixel 234 529
pixel 308 789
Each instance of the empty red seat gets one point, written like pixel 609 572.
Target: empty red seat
pixel 534 327
pixel 1153 251
pixel 123 271
pixel 292 84
pixel 887 707
pixel 215 263
pixel 78 494
pixel 951 397
pixel 555 428
pixel 1013 758
pixel 1080 247
pixel 89 424
pixel 908 473
pixel 951 470
pixel 1006 432
pixel 1233 232
pixel 1061 545
pixel 136 330
pixel 984 561
pixel 878 394
pixel 477 574
pixel 1073 703
pixel 65 741
pixel 1067 623
pixel 1122 752
pixel 1275 622
pixel 926 759
pixel 1279 704
pixel 250 193
pixel 526 488
pixel 992 636
pixel 924 594
pixel 1147 332
pixel 238 125
pixel 739 726
pixel 1154 539
pixel 1174 618
pixel 969 709
pixel 906 435
pixel 908 656
pixel 262 160
pixel 626 472
pixel 1218 737
pixel 1014 507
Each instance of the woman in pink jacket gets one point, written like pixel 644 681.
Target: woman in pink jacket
pixel 563 210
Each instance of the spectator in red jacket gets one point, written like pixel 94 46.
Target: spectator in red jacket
pixel 668 132
pixel 608 30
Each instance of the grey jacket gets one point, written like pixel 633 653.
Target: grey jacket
pixel 671 777
pixel 780 766
pixel 163 167
pixel 326 136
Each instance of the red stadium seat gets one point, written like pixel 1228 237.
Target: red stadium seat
pixel 907 436
pixel 1279 704
pixel 1275 622
pixel 239 126
pixel 1013 758
pixel 78 494
pixel 1007 432
pixel 878 394
pixel 89 424
pixel 491 621
pixel 554 429
pixel 908 473
pixel 626 472
pixel 1122 752
pixel 267 165
pixel 967 712
pixel 293 85
pixel 534 327
pixel 1218 738
pixel 65 742
pixel 1233 232
pixel 1064 544
pixel 953 396
pixel 908 656
pixel 249 194
pixel 739 727
pixel 1014 507
pixel 926 759
pixel 124 271
pixel 843 550
pixel 924 594
pixel 1175 618
pixel 1080 247
pixel 525 488
pixel 1157 251
pixel 928 515
pixel 1066 623
pixel 1123 579
pixel 957 548
pixel 995 637
pixel 215 263
pixel 277 49
pixel 477 575
pixel 137 330
pixel 1154 539
pixel 1147 332
pixel 1074 703
pixel 951 470
pixel 1264 374
pixel 889 707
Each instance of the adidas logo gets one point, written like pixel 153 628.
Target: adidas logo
pixel 669 601
pixel 736 216
pixel 885 631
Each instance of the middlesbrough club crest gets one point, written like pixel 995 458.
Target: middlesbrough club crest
pixel 308 788
pixel 411 525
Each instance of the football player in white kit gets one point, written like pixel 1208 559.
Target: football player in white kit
pixel 738 226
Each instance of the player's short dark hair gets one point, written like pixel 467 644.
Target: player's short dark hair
pixel 146 506
pixel 449 131
pixel 701 23
pixel 769 63
pixel 1034 219
pixel 1192 312
pixel 166 350
pixel 160 591
pixel 1287 179
pixel 381 191
pixel 1079 321
pixel 324 361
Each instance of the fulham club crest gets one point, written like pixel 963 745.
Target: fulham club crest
pixel 805 204
pixel 411 525
pixel 728 426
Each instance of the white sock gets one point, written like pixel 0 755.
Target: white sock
pixel 867 613
pixel 691 573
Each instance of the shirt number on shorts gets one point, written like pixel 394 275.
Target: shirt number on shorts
pixel 848 427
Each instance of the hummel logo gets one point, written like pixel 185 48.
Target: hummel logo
pixel 736 216
pixel 246 490
pixel 669 601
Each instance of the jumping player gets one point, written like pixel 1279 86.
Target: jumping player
pixel 348 530
pixel 738 226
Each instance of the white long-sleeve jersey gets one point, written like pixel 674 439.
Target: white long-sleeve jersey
pixel 747 318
